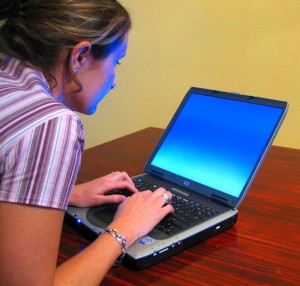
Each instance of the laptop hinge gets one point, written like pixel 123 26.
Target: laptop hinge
pixel 157 173
pixel 219 200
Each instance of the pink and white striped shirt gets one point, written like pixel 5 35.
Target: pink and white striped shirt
pixel 41 140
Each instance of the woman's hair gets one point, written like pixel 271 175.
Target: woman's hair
pixel 35 31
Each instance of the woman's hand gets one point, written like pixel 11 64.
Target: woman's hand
pixel 139 213
pixel 92 193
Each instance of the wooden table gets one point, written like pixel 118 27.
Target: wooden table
pixel 261 249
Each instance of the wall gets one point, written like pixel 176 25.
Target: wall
pixel 251 47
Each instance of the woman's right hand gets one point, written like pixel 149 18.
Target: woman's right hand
pixel 139 213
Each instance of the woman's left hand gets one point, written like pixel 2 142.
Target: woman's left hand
pixel 92 193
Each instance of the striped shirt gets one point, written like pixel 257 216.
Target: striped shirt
pixel 41 141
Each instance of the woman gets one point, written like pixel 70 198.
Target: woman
pixel 60 57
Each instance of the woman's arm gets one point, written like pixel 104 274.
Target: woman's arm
pixel 91 265
pixel 29 244
pixel 30 238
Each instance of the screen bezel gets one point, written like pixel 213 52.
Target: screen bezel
pixel 186 184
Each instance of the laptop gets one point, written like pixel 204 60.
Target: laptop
pixel 207 157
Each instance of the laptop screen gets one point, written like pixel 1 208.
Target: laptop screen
pixel 217 142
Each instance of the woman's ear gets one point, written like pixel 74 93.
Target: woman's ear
pixel 77 60
pixel 79 55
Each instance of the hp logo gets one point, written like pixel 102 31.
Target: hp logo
pixel 186 183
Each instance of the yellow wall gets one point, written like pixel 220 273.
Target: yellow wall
pixel 251 47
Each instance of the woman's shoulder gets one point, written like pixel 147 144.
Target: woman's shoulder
pixel 26 101
pixel 25 90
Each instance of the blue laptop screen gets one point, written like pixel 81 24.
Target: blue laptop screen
pixel 217 142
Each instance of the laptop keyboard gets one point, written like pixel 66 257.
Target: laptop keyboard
pixel 187 212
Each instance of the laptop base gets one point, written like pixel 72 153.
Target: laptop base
pixel 163 254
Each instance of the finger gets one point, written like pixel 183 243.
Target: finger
pixel 124 177
pixel 167 197
pixel 132 188
pixel 164 196
pixel 119 185
pixel 114 173
pixel 117 175
pixel 159 191
pixel 111 199
pixel 167 209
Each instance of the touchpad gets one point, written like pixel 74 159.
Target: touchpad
pixel 102 216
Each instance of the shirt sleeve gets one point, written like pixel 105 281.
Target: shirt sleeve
pixel 41 167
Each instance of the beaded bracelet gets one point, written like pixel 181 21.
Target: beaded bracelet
pixel 121 239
